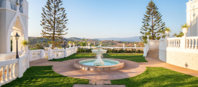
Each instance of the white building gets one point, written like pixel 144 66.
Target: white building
pixel 192 17
pixel 13 19
pixel 181 51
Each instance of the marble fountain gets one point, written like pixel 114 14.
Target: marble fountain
pixel 99 64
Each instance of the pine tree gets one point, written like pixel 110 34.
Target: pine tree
pixel 152 24
pixel 54 21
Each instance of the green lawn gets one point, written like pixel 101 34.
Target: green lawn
pixel 159 77
pixel 76 56
pixel 44 76
pixel 127 56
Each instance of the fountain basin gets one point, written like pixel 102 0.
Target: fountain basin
pixel 88 65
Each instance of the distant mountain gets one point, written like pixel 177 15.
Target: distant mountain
pixel 129 39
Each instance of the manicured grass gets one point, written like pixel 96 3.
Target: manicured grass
pixel 76 56
pixel 44 76
pixel 127 56
pixel 159 77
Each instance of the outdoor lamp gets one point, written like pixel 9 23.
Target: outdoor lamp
pixel 17 38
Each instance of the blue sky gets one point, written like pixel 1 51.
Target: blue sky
pixel 109 18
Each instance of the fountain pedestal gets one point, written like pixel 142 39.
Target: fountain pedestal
pixel 99 61
pixel 99 51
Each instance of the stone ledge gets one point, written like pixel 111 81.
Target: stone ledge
pixel 83 85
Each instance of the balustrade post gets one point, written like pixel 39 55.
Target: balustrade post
pixel 193 43
pixel 196 43
pixel 42 54
pixel 183 42
pixel 3 74
pixel 65 52
pixel 11 71
pixel 20 73
pixel 6 74
pixel 190 44
pixel 14 70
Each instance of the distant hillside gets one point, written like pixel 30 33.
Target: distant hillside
pixel 128 39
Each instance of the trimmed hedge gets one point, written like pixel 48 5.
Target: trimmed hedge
pixel 83 50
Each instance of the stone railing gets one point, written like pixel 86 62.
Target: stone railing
pixel 61 53
pixel 51 53
pixel 185 42
pixel 191 43
pixel 8 71
pixel 174 42
pixel 36 54
pixel 9 56
pixel 11 69
pixel 58 53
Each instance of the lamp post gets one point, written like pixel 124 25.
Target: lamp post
pixel 17 38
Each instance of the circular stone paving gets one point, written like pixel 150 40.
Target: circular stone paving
pixel 67 68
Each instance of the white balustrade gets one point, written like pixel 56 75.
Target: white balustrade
pixel 7 71
pixel 36 54
pixel 184 42
pixel 61 53
pixel 192 42
pixel 174 42
pixel 58 53
pixel 11 69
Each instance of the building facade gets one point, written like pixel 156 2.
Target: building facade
pixel 13 19
pixel 192 17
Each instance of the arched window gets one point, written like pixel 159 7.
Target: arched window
pixel 13 4
pixel 21 6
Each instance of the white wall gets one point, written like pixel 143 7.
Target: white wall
pixel 162 50
pixel 192 17
pixel 183 58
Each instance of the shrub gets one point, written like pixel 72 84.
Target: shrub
pixel 83 50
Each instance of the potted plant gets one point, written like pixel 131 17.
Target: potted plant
pixel 185 28
pixel 167 30
pixel 25 44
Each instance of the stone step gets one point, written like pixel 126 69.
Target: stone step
pixel 83 85
pixel 100 82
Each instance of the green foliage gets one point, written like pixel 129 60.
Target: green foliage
pixel 159 77
pixel 181 34
pixel 153 26
pixel 37 46
pixel 127 56
pixel 167 29
pixel 54 21
pixel 81 50
pixel 76 56
pixel 185 26
pixel 124 51
pixel 25 42
pixel 44 76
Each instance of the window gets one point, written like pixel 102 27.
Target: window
pixel 2 3
pixel 21 6
pixel 13 4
